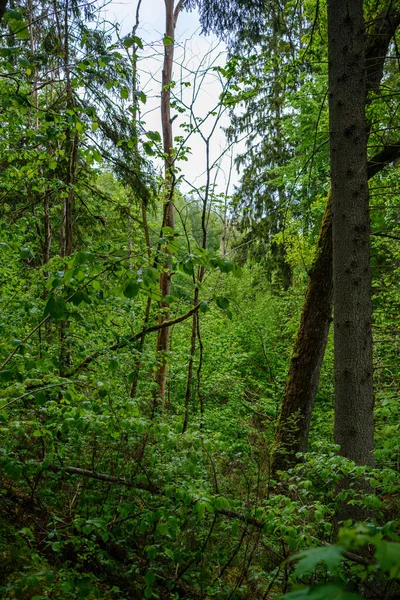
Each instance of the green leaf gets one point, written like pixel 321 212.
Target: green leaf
pixel 25 253
pixel 169 553
pixel 388 556
pixel 163 529
pixel 148 149
pixel 151 552
pixel 322 592
pixel 55 307
pixel 113 364
pixel 129 41
pixel 77 298
pixel 152 273
pixel 168 40
pixel 200 509
pixel 131 289
pixel 226 266
pixel 331 556
pixel 150 577
pixel 204 307
pixel 6 375
pixel 222 302
pixel 20 29
pixel 154 136
pixel 124 93
pixel 141 95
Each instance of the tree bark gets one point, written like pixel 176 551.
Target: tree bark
pixel 291 435
pixel 3 8
pixel 354 406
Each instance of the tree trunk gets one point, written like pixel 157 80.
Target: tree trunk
pixel 354 411
pixel 291 435
pixel 171 16
pixel 66 232
pixel 3 8
pixel 293 425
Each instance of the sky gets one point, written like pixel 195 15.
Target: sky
pixel 195 52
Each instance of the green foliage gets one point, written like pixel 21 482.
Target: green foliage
pixel 102 495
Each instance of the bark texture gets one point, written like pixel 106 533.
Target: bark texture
pixel 291 435
pixel 354 410
pixel 3 8
pixel 293 425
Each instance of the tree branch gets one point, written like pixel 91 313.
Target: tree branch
pixel 387 155
pixel 378 40
pixel 137 336
pixel 148 487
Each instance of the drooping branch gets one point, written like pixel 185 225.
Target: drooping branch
pixel 389 154
pixel 102 477
pixel 378 41
pixel 137 336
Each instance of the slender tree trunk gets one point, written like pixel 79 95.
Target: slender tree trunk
pixel 188 393
pixel 354 410
pixel 171 16
pixel 72 144
pixel 293 425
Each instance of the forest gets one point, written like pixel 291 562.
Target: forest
pixel 200 300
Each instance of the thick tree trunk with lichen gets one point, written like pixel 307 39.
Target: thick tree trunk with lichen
pixel 293 425
pixel 291 434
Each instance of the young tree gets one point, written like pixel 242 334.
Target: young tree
pixel 171 16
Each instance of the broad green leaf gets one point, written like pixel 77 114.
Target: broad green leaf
pixel 150 577
pixel 331 556
pixel 131 289
pixel 124 93
pixel 55 307
pixel 168 40
pixel 148 149
pixel 204 307
pixel 154 136
pixel 151 552
pixel 388 556
pixel 222 302
pixel 163 529
pixel 322 592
